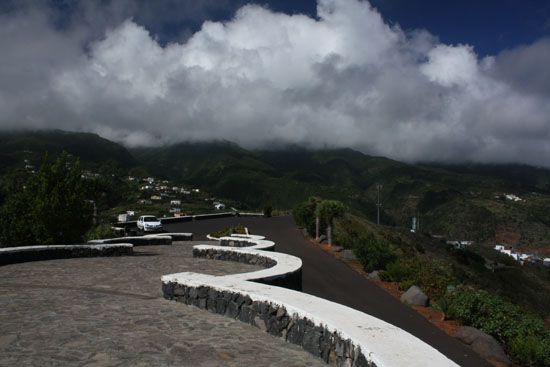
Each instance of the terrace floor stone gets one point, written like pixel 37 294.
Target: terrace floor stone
pixel 110 311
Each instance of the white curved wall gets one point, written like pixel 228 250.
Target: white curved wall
pixel 379 342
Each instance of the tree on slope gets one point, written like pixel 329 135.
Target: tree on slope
pixel 328 210
pixel 51 208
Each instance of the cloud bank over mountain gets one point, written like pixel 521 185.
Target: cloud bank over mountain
pixel 344 79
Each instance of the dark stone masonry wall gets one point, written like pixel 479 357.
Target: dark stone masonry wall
pixel 288 280
pixel 245 258
pixel 274 319
pixel 61 253
pixel 236 243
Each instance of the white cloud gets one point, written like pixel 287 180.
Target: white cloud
pixel 262 78
pixel 451 65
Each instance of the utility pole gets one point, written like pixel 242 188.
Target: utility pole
pixel 378 205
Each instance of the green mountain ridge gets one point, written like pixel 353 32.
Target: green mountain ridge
pixel 456 201
pixel 90 148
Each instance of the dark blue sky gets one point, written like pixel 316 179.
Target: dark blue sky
pixel 489 25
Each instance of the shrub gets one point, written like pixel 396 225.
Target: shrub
pixel 304 214
pixel 399 271
pixel 522 333
pixel 531 350
pixel 227 231
pixel 268 210
pixel 372 253
pixel 100 232
pixel 431 276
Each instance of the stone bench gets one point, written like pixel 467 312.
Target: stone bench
pixel 12 255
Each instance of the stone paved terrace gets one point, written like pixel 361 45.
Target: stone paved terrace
pixel 110 311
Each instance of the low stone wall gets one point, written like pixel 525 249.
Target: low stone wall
pixel 248 236
pixel 281 270
pixel 156 240
pixel 190 218
pixel 224 255
pixel 274 319
pixel 174 236
pixel 13 255
pixel 340 335
pixel 248 241
pixel 233 242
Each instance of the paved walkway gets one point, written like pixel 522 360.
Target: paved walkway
pixel 327 277
pixel 110 311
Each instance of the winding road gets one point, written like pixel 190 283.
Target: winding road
pixel 327 277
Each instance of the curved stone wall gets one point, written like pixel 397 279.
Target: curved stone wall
pixel 157 240
pixel 174 236
pixel 12 255
pixel 281 270
pixel 249 241
pixel 340 335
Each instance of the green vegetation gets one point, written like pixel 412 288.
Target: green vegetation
pixel 305 213
pixel 227 231
pixel 99 232
pixel 374 254
pixel 51 208
pixel 477 285
pixel 431 276
pixel 523 334
pixel 91 149
pixel 327 211
pixel 460 204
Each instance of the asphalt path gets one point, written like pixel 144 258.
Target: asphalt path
pixel 327 277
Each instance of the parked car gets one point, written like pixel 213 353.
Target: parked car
pixel 149 223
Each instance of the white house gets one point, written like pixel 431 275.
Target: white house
pixel 175 202
pixel 175 210
pixel 512 197
pixel 219 206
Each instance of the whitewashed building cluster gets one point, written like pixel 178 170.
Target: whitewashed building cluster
pixel 521 257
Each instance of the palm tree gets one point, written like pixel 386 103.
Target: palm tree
pixel 328 210
pixel 313 203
